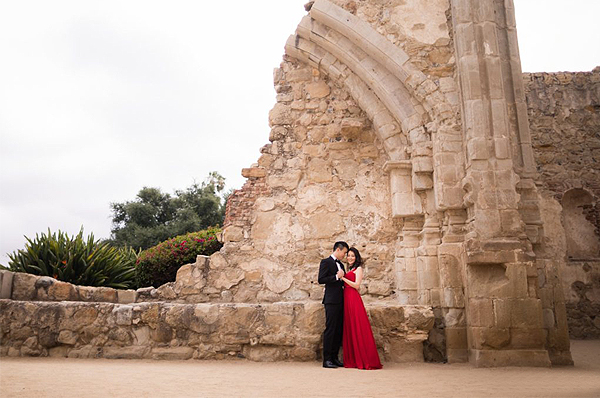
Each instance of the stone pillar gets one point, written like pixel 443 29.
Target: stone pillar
pixel 451 257
pixel 406 262
pixel 504 317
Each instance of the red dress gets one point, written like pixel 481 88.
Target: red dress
pixel 358 342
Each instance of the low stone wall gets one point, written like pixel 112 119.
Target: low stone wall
pixel 259 332
pixel 28 287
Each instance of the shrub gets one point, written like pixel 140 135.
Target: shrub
pixel 159 264
pixel 76 260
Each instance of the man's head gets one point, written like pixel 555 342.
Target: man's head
pixel 340 249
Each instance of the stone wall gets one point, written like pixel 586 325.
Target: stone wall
pixel 564 115
pixel 402 128
pixel 259 332
pixel 324 179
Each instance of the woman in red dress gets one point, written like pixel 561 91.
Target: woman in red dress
pixel 358 343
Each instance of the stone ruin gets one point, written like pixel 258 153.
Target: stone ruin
pixel 407 129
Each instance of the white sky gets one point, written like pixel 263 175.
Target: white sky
pixel 99 99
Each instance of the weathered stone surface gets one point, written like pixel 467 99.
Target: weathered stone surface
pixel 233 234
pixel 23 287
pixel 266 332
pixel 6 280
pixel 126 296
pixel 318 89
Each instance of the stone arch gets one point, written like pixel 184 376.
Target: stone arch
pixel 404 106
pixel 582 241
pixel 398 98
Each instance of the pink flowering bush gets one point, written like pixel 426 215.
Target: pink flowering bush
pixel 159 264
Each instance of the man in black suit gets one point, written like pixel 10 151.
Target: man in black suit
pixel 331 271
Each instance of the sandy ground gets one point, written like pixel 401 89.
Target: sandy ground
pixel 58 377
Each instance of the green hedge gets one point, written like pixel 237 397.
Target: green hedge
pixel 76 260
pixel 159 264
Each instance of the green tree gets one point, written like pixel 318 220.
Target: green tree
pixel 153 216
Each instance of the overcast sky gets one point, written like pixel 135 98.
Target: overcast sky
pixel 99 99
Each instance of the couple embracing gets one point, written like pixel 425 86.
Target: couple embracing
pixel 346 320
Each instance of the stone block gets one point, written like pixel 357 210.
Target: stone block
pixel 319 170
pixel 298 75
pixel 480 312
pixel 489 338
pixel 288 180
pixel 400 351
pixel 456 338
pixel 62 291
pixel 123 314
pixel 280 115
pixel 262 353
pixel 460 355
pixel 67 337
pixel 498 358
pixel 131 352
pixel 436 297
pixel 379 288
pixel 419 317
pixel 475 117
pixel 450 271
pixel 104 294
pixel 402 204
pixel 410 264
pixel 453 297
pixel 511 222
pixel 502 311
pixel 58 352
pixel 548 315
pixel 427 272
pixel 526 313
pixel 303 354
pixel 422 181
pixel 407 296
pixel 465 35
pixel 85 315
pixel 529 338
pixel 254 172
pixel 501 148
pixel 23 287
pixel 422 164
pixel 325 225
pixel 318 89
pixel 447 84
pixel 6 281
pixel 455 317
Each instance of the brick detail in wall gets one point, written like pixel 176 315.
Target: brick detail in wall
pixel 238 210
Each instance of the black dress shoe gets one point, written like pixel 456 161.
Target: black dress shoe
pixel 329 365
pixel 337 363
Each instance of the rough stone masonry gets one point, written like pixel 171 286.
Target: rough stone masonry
pixel 402 127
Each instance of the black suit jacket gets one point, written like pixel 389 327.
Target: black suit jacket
pixel 334 289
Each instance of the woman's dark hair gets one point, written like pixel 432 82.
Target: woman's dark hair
pixel 358 262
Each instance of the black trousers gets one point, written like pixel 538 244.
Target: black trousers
pixel 332 336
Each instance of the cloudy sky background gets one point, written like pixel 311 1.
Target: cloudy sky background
pixel 99 99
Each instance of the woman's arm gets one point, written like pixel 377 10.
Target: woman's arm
pixel 359 277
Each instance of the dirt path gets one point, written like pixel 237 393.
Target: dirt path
pixel 52 377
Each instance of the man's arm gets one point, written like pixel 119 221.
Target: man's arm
pixel 324 275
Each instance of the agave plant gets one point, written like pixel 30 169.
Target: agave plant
pixel 76 260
